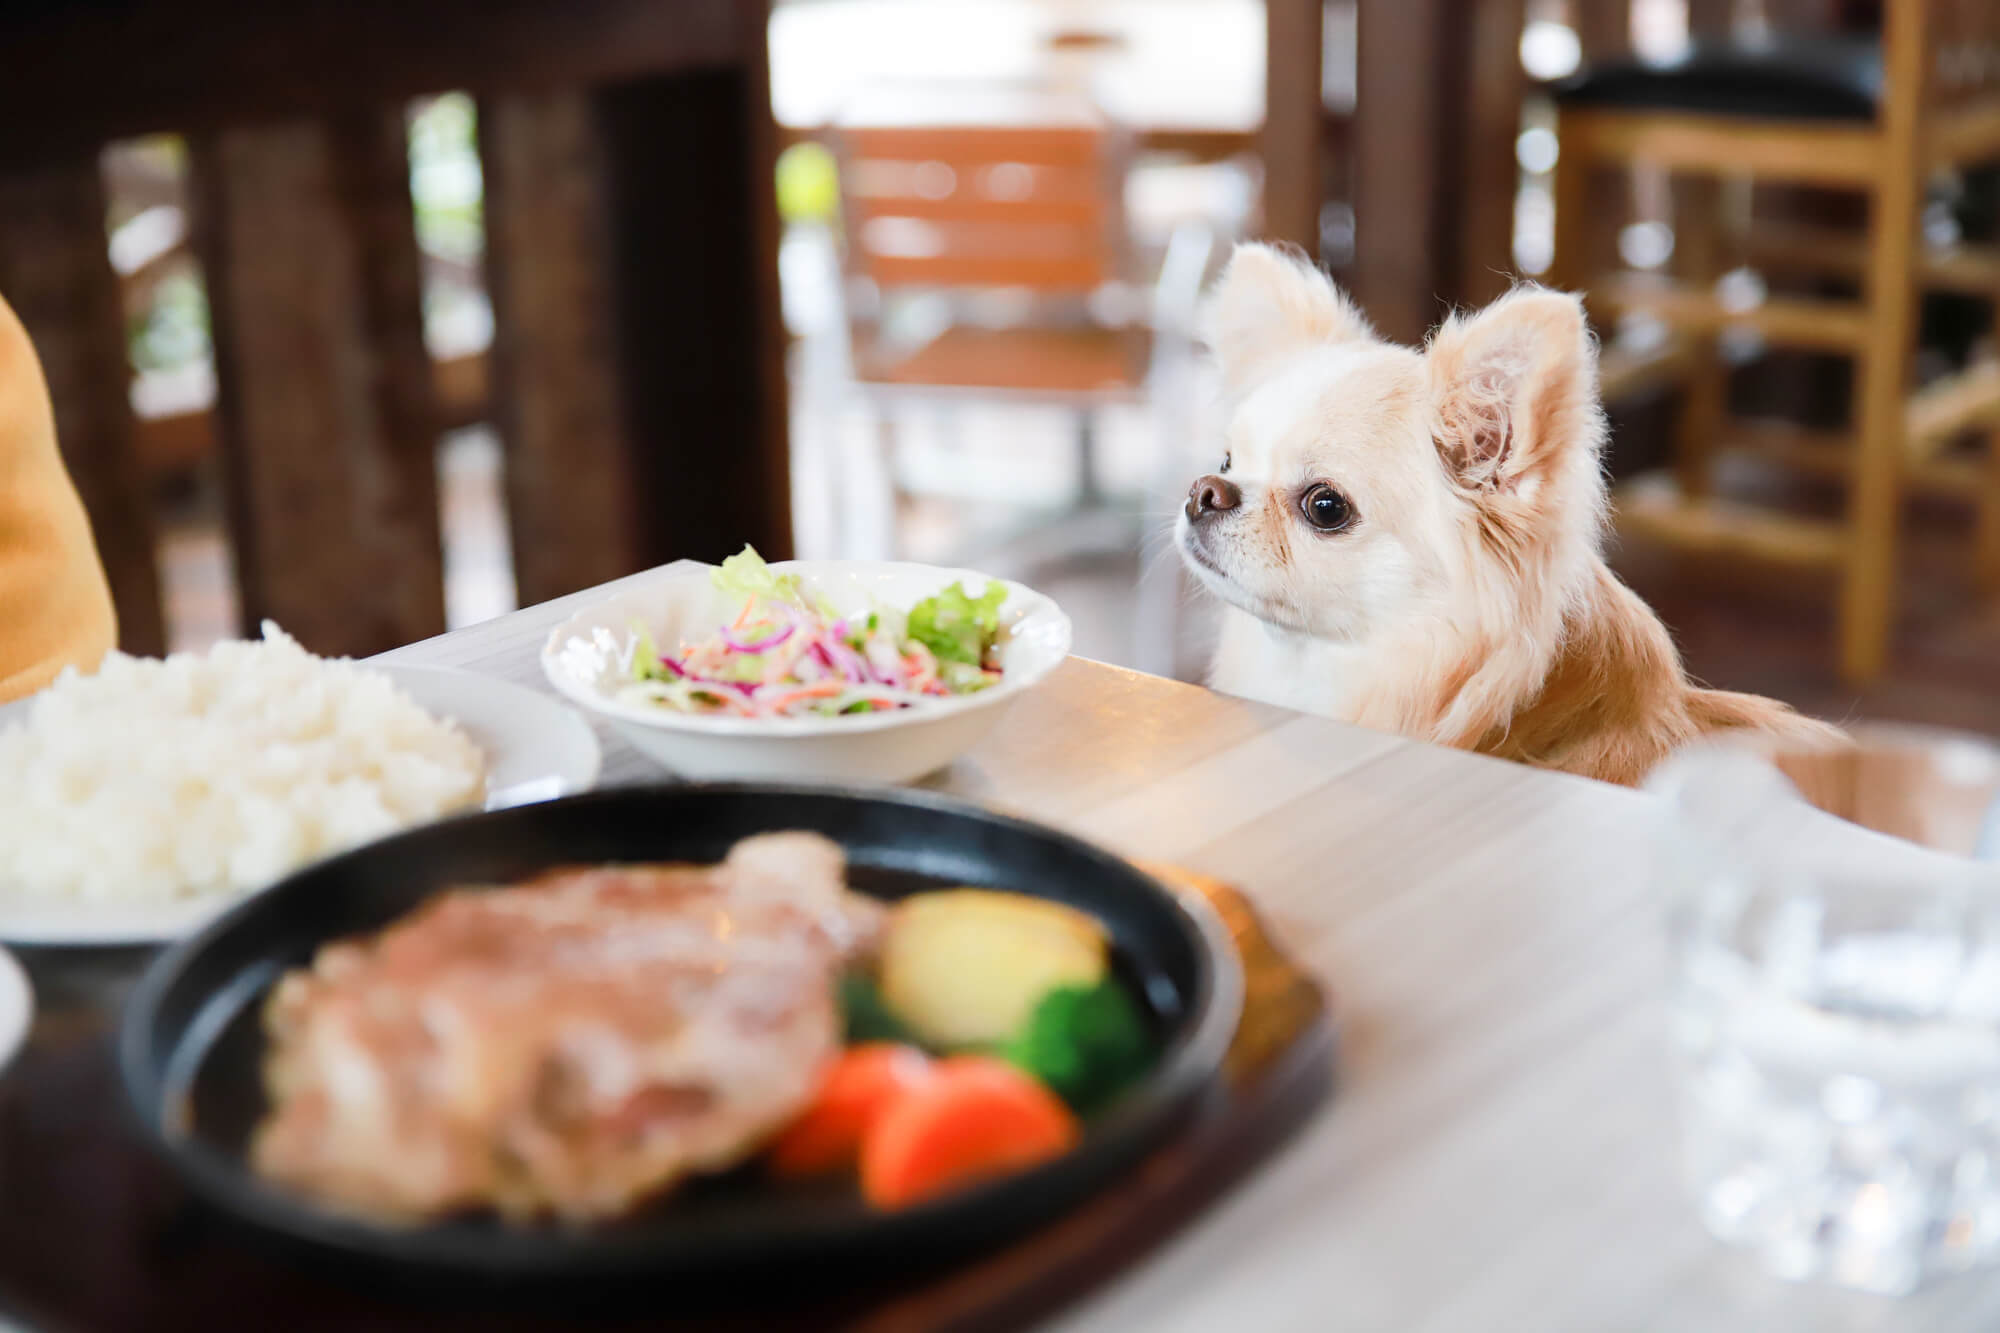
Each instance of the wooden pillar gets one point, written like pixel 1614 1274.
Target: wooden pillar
pixel 1821 15
pixel 1604 30
pixel 1402 122
pixel 639 356
pixel 1495 85
pixel 1603 27
pixel 55 270
pixel 1294 188
pixel 1712 19
pixel 572 508
pixel 1868 593
pixel 325 402
pixel 1438 108
pixel 700 331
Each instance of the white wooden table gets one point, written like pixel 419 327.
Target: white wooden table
pixel 1501 1153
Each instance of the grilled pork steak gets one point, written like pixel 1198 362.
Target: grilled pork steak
pixel 571 1045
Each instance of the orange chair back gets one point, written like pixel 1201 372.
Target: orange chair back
pixel 1022 192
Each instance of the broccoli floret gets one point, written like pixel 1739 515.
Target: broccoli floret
pixel 1087 1043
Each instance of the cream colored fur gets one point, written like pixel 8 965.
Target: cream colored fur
pixel 1467 602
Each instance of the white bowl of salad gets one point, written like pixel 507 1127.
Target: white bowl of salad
pixel 810 670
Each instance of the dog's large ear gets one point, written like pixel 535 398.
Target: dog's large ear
pixel 1268 303
pixel 1513 388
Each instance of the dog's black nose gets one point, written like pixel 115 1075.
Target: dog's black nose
pixel 1212 495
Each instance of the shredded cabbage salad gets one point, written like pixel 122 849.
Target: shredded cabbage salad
pixel 788 655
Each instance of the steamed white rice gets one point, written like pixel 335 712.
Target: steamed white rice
pixel 217 773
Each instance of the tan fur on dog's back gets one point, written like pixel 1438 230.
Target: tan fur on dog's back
pixel 1617 701
pixel 1467 602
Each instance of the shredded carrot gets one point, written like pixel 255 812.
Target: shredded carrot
pixel 824 689
pixel 730 700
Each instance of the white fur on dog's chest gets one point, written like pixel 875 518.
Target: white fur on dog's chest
pixel 1255 660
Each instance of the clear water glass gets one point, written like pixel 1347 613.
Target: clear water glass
pixel 1836 1005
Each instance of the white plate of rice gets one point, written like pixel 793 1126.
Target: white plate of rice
pixel 138 802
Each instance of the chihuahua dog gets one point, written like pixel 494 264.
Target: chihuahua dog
pixel 1411 541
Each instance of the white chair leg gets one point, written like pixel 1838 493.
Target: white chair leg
pixel 1089 495
pixel 1157 603
pixel 1156 614
pixel 888 541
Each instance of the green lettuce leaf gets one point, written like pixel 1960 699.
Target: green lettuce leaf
pixel 645 663
pixel 963 677
pixel 746 575
pixel 957 627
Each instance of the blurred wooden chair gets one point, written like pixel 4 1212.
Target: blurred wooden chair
pixel 1881 117
pixel 1014 196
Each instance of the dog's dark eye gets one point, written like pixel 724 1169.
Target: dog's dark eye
pixel 1326 509
pixel 1225 466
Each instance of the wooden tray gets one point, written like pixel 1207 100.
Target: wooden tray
pixel 95 1234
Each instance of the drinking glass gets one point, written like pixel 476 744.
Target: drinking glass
pixel 1836 1001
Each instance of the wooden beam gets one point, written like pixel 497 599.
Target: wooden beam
pixel 328 428
pixel 1593 201
pixel 1868 593
pixel 574 513
pixel 177 441
pixel 1711 19
pixel 1625 371
pixel 1792 321
pixel 1653 506
pixel 85 74
pixel 1697 203
pixel 1438 108
pixel 1490 121
pixel 1805 152
pixel 1290 142
pixel 1786 247
pixel 1800 15
pixel 696 315
pixel 1404 124
pixel 57 275
pixel 1579 231
pixel 1603 28
pixel 460 387
pixel 1968 400
pixel 638 378
pixel 1965 134
pixel 1832 455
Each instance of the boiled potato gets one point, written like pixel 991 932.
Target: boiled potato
pixel 966 966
